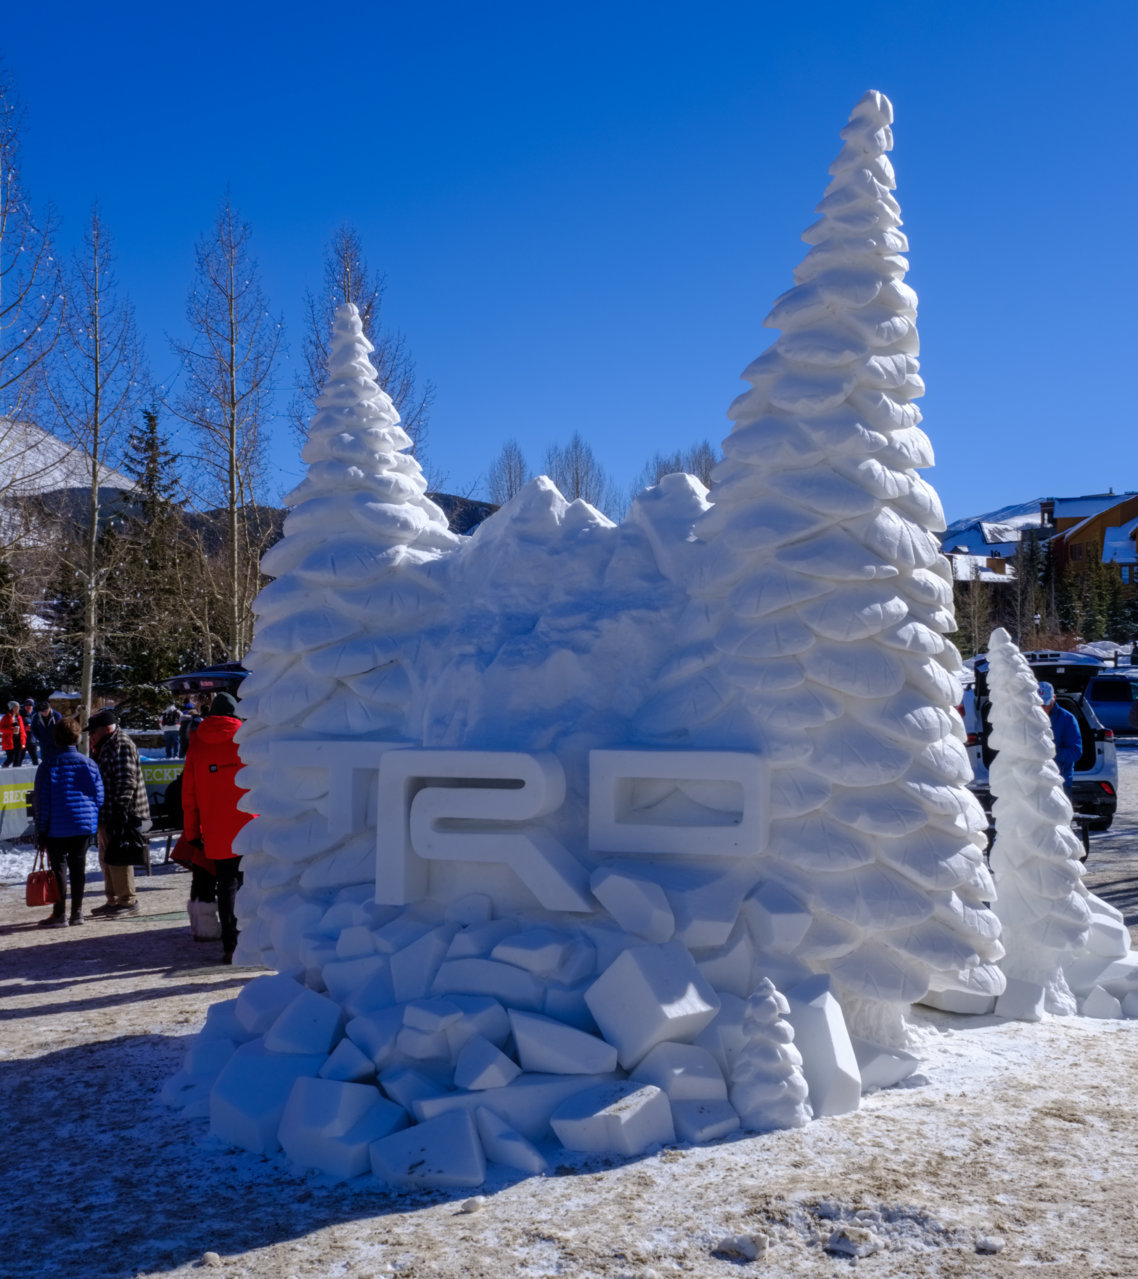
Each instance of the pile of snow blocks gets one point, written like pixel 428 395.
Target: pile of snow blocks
pixel 417 1049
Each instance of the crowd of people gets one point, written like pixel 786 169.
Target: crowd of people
pixel 102 797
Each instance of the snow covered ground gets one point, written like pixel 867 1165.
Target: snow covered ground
pixel 1021 1136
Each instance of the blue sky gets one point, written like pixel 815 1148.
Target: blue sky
pixel 585 211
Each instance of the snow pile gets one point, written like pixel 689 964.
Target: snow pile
pixel 822 603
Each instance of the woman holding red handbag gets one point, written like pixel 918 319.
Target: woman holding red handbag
pixel 66 800
pixel 209 807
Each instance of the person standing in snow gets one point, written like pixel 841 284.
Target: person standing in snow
pixel 125 814
pixel 13 737
pixel 41 729
pixel 1067 733
pixel 28 714
pixel 68 796
pixel 171 730
pixel 209 807
pixel 190 719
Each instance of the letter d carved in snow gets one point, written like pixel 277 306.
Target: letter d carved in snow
pixel 462 819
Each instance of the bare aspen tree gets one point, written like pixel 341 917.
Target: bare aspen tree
pixel 96 383
pixel 348 278
pixel 698 460
pixel 31 305
pixel 227 397
pixel 574 468
pixel 508 473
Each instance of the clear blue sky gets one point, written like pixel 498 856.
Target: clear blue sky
pixel 585 210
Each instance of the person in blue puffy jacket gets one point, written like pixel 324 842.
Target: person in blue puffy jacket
pixel 1067 733
pixel 67 798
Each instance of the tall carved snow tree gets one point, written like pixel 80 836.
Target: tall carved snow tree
pixel 817 637
pixel 338 633
pixel 227 398
pixel 349 278
pixel 97 381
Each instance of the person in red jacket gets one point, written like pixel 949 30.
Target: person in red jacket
pixel 209 807
pixel 13 736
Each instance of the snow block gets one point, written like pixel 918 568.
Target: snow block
pixel 355 942
pixel 479 940
pixel 343 977
pixel 723 1036
pixel 375 993
pixel 1121 976
pixel 966 1002
pixel 262 1002
pixel 729 968
pixel 638 905
pixel 441 1153
pixel 248 1099
pixel 622 1118
pixel 778 921
pixel 376 1034
pixel 882 1067
pixel 567 1004
pixel 525 1104
pixel 406 1086
pixel 330 1125
pixel 511 986
pixel 1101 1004
pixel 820 1035
pixel 221 1023
pixel 504 1145
pixel 650 994
pixel 481 1015
pixel 700 1121
pixel 551 1048
pixel 1021 1000
pixel 705 911
pixel 312 1023
pixel 208 1056
pixel 1130 1005
pixel 413 968
pixel 1108 937
pixel 683 1072
pixel 475 908
pixel 480 1065
pixel 541 951
pixel 431 1015
pixel 421 1045
pixel 348 1064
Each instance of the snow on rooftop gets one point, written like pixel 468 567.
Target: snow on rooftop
pixel 35 461
pixel 1118 543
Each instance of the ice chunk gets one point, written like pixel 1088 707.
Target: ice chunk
pixel 221 1022
pixel 263 1000
pixel 1129 1005
pixel 828 1059
pixel 480 939
pixel 312 1023
pixel 729 967
pixel 441 1153
pixel 248 1099
pixel 778 920
pixel 406 1086
pixel 480 1065
pixel 1100 1003
pixel 541 951
pixel 354 942
pixel 1108 937
pixel 638 905
pixel 1022 1000
pixel 481 1015
pixel 329 1125
pixel 413 968
pixel 431 1015
pixel 968 1002
pixel 509 985
pixel 702 1121
pixel 376 1034
pixel 650 994
pixel 549 1047
pixel 504 1145
pixel 344 977
pixel 684 1072
pixel 422 1045
pixel 348 1064
pixel 622 1118
pixel 723 1035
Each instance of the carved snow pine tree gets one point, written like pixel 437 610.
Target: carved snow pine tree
pixel 1041 900
pixel 817 634
pixel 767 1087
pixel 337 653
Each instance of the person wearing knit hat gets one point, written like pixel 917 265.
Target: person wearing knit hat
pixel 1066 732
pixel 209 806
pixel 171 725
pixel 13 736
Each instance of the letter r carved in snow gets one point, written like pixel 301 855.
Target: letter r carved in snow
pixel 466 817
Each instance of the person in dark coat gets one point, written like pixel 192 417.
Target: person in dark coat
pixel 209 807
pixel 27 714
pixel 67 797
pixel 1067 733
pixel 42 730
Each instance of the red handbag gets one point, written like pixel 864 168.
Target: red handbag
pixel 42 887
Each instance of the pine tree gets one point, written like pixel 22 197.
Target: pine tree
pixel 767 1087
pixel 1040 897
pixel 817 634
pixel 337 632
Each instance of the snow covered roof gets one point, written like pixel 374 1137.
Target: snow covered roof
pixel 1079 508
pixel 974 568
pixel 995 533
pixel 1118 543
pixel 33 460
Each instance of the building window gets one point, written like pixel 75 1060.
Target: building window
pixel 1126 574
pixel 1076 550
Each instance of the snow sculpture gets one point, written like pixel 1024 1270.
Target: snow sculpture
pixel 333 657
pixel 1041 900
pixel 821 606
pixel 767 1086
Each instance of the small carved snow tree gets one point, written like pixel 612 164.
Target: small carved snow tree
pixel 818 634
pixel 767 1087
pixel 338 636
pixel 1041 900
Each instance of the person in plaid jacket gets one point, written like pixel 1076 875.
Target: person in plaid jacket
pixel 125 815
